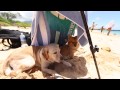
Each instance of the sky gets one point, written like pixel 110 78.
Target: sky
pixel 101 18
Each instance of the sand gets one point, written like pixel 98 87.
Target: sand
pixel 108 60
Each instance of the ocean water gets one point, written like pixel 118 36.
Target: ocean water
pixel 114 32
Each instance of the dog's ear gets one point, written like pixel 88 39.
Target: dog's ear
pixel 76 37
pixel 45 53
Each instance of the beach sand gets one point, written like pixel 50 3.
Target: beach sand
pixel 108 62
pixel 108 59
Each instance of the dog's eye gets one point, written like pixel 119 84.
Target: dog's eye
pixel 55 52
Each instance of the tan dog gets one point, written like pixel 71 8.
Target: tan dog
pixel 67 51
pixel 25 58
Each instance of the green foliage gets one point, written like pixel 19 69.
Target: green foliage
pixel 4 20
pixel 10 22
pixel 22 24
pixel 4 24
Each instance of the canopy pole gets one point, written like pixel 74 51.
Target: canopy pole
pixel 93 50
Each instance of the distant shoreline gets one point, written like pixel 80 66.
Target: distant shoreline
pixel 111 30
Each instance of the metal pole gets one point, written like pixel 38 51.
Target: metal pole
pixel 90 41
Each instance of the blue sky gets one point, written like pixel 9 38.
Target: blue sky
pixel 99 17
pixel 104 17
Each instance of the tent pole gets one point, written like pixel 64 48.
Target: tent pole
pixel 93 50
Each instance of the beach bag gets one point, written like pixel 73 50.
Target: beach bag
pixel 13 38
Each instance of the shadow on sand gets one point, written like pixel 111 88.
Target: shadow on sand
pixel 77 70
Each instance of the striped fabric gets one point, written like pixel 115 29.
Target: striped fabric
pixel 55 28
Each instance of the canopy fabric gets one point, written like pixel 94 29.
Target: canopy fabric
pixel 54 26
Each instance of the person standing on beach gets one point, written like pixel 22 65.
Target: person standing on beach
pixel 93 26
pixel 109 27
pixel 102 28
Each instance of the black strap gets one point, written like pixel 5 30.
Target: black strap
pixel 90 41
pixel 3 40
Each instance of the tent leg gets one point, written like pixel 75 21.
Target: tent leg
pixel 93 50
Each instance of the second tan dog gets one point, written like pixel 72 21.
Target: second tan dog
pixel 25 58
pixel 68 50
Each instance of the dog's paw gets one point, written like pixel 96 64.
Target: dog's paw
pixel 13 74
pixel 57 76
pixel 67 63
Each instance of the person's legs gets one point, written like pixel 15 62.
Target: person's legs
pixel 102 30
pixel 109 29
pixel 108 32
pixel 92 29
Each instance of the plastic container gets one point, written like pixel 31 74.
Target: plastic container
pixel 23 40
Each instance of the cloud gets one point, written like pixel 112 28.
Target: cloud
pixel 111 23
pixel 90 12
pixel 26 15
pixel 117 26
pixel 97 18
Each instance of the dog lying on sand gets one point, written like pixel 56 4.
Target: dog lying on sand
pixel 23 59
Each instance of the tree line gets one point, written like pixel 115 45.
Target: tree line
pixel 8 19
